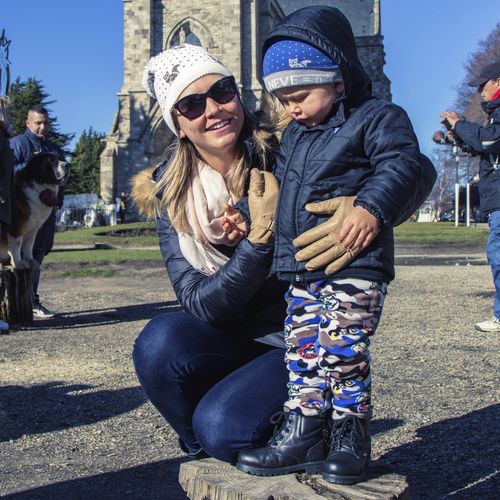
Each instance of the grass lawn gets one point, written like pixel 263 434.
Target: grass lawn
pixel 136 234
pixel 128 238
pixel 441 233
pixel 93 256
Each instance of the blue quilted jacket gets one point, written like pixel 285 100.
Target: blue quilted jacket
pixel 241 297
pixel 365 147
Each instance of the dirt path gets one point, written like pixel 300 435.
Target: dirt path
pixel 75 424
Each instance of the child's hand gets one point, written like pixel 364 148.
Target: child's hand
pixel 233 224
pixel 359 229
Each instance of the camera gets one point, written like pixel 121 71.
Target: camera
pixel 439 137
pixel 447 124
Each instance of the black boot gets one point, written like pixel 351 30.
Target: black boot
pixel 350 447
pixel 298 444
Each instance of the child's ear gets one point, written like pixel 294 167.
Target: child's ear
pixel 339 87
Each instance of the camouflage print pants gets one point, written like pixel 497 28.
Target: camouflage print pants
pixel 327 333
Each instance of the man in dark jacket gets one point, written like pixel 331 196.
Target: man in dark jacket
pixel 23 146
pixel 485 141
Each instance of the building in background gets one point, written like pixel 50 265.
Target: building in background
pixel 230 29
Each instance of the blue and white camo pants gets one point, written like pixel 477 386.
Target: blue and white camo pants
pixel 327 332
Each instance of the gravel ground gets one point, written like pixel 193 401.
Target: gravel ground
pixel 75 424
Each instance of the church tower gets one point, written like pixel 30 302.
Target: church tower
pixel 233 31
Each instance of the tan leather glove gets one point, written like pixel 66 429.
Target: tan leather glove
pixel 262 200
pixel 319 244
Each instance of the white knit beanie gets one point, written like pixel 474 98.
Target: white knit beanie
pixel 169 73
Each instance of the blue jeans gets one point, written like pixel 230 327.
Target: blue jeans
pixel 493 253
pixel 216 389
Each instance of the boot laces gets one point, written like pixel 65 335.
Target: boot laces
pixel 341 435
pixel 282 421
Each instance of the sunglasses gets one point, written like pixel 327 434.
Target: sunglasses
pixel 194 105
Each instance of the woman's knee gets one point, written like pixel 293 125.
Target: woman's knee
pixel 235 413
pixel 156 343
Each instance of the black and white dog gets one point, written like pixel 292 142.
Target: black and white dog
pixel 36 195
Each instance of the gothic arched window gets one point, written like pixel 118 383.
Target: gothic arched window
pixel 189 30
pixel 184 35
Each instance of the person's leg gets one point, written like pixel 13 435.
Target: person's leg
pixel 299 442
pixel 352 310
pixel 178 358
pixel 38 255
pixel 307 381
pixel 236 413
pixel 43 244
pixel 493 252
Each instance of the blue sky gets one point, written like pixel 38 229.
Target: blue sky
pixel 76 49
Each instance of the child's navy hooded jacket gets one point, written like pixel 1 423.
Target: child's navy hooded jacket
pixel 366 147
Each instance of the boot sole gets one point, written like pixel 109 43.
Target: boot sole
pixel 312 468
pixel 334 478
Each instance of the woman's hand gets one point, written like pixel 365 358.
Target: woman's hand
pixel 337 241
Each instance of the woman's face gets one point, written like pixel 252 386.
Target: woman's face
pixel 215 133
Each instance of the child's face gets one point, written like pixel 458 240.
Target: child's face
pixel 309 104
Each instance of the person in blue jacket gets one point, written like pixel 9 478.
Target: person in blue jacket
pixel 350 169
pixel 485 141
pixel 33 140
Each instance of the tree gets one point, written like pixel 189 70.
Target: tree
pixel 85 164
pixel 24 95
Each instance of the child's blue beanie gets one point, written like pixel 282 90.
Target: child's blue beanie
pixel 290 63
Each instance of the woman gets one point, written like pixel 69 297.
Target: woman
pixel 212 369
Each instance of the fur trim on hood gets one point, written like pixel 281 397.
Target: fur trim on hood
pixel 144 192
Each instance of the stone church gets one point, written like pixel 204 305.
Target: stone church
pixel 233 31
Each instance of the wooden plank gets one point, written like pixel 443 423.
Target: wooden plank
pixel 16 296
pixel 210 479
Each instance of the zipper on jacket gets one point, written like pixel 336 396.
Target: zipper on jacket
pixel 280 195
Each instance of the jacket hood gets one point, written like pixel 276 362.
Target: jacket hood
pixel 327 29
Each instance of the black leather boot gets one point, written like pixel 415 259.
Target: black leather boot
pixel 350 448
pixel 299 444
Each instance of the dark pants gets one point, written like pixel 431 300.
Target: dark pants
pixel 43 245
pixel 38 255
pixel 216 389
